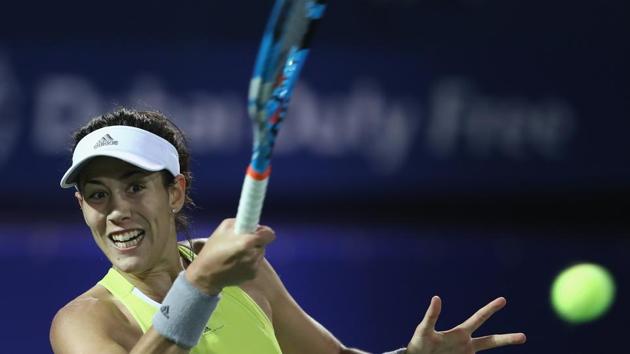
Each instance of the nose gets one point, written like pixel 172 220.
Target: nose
pixel 120 210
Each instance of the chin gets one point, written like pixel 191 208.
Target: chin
pixel 128 264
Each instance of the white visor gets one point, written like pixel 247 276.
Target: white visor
pixel 132 145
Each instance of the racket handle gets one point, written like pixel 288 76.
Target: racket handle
pixel 250 204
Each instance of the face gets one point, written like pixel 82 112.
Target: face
pixel 129 211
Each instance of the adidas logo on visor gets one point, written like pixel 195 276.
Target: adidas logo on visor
pixel 106 140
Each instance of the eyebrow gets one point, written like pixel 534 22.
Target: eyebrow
pixel 125 175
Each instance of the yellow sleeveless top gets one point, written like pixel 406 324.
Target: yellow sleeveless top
pixel 237 325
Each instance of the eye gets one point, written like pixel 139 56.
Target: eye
pixel 97 195
pixel 136 188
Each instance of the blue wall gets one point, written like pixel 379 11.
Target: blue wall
pixel 469 149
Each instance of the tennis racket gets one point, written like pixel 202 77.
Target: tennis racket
pixel 283 50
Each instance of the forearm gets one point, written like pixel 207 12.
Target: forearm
pixel 357 351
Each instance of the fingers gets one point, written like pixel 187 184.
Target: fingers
pixel 259 239
pixel 498 340
pixel 262 236
pixel 266 234
pixel 431 316
pixel 482 315
pixel 227 224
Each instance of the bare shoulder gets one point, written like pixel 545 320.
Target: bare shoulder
pixel 267 284
pixel 268 281
pixel 92 322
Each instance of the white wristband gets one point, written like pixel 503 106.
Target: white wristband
pixel 184 313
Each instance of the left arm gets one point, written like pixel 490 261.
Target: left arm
pixel 298 333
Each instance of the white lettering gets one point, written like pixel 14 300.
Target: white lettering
pixel 362 122
pixel 63 103
pixel 465 121
pixel 211 122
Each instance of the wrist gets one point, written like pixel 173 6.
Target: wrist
pixel 199 281
pixel 184 313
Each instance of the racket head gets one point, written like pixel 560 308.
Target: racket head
pixel 283 50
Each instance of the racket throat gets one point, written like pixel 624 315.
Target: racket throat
pixel 251 201
pixel 259 176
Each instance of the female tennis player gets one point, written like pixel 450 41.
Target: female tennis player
pixel 220 295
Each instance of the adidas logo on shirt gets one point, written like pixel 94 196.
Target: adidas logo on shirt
pixel 106 140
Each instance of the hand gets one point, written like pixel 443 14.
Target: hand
pixel 227 258
pixel 459 339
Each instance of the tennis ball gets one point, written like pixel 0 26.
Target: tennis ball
pixel 582 293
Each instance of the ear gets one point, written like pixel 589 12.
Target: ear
pixel 177 193
pixel 79 198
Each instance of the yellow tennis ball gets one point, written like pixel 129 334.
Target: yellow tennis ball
pixel 582 293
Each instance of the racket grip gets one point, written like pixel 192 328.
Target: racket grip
pixel 250 204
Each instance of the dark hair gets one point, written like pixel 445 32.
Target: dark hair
pixel 158 124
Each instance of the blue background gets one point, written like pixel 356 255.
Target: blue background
pixel 470 149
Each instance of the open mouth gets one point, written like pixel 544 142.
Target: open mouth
pixel 127 239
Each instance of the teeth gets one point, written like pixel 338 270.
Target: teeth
pixel 126 237
pixel 128 244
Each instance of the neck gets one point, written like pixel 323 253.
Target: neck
pixel 157 281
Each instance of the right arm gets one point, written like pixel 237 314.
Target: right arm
pixel 90 325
